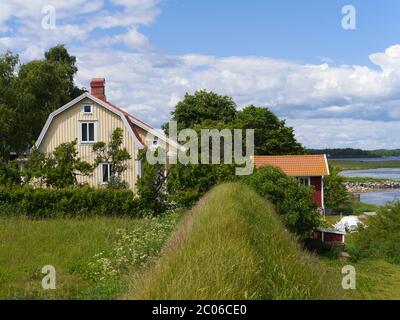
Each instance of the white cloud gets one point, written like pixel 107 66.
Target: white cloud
pixel 354 105
pixel 347 133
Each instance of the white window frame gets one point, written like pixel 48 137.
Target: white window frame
pixel 80 123
pixel 102 182
pixel 87 105
pixel 308 179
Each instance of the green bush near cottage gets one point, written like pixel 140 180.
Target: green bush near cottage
pixel 85 201
pixel 292 200
pixel 380 238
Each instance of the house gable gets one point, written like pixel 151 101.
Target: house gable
pixel 87 98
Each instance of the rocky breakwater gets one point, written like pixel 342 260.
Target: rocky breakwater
pixel 358 187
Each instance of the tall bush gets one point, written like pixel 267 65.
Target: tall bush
pixel 380 237
pixel 292 199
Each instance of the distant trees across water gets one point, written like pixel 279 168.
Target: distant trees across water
pixel 356 153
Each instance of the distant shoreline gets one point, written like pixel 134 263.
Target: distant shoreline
pixel 361 164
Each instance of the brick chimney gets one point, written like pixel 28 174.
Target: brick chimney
pixel 97 88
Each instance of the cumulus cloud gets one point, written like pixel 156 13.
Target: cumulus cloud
pixel 329 105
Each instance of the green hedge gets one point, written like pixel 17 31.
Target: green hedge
pixel 293 201
pixel 46 203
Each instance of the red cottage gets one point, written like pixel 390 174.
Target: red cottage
pixel 308 169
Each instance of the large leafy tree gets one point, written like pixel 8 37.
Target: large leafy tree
pixel 208 110
pixel 8 103
pixel 271 135
pixel 29 93
pixel 201 106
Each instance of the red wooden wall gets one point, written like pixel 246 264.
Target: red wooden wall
pixel 317 196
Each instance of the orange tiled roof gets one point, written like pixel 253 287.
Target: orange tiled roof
pixel 296 166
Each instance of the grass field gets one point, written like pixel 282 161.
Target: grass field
pixel 71 246
pixel 233 245
pixel 364 165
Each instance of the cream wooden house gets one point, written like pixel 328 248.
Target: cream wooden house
pixel 91 118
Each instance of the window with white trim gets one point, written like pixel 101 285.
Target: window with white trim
pixel 87 109
pixel 87 131
pixel 105 172
pixel 304 180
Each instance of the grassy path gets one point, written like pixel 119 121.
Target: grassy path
pixel 233 245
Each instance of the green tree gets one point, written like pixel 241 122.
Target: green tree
pixel 33 170
pixel 151 184
pixel 271 135
pixel 201 106
pixel 28 94
pixel 60 56
pixel 63 166
pixel 10 173
pixel 335 192
pixel 8 104
pixel 113 154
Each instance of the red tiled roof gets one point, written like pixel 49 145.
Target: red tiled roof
pixel 297 165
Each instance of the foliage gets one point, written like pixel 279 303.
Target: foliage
pixel 380 238
pixel 48 203
pixel 207 110
pixel 187 183
pixel 8 98
pixel 10 173
pixel 59 169
pixel 131 249
pixel 203 105
pixel 292 199
pixel 151 184
pixel 115 155
pixel 29 93
pixel 271 135
pixel 335 192
pixel 232 245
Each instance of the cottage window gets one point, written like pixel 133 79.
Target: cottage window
pixel 87 109
pixel 105 172
pixel 88 132
pixel 304 180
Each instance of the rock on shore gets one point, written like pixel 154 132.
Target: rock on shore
pixel 358 187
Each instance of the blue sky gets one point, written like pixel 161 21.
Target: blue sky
pixel 302 31
pixel 338 88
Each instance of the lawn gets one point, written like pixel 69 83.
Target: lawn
pixel 375 279
pixel 71 246
pixel 364 165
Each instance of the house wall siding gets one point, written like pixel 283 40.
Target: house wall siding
pixel 65 128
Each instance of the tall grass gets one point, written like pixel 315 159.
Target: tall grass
pixel 79 249
pixel 380 238
pixel 232 245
